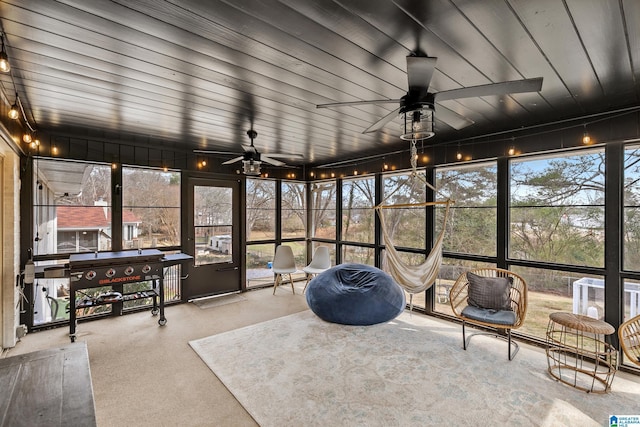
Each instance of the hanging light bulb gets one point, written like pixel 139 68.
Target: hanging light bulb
pixel 13 112
pixel 512 150
pixel 27 137
pixel 5 67
pixel 586 139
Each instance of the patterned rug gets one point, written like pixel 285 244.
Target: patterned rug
pixel 301 371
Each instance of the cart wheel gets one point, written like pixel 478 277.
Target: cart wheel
pixel 162 322
pixel 155 311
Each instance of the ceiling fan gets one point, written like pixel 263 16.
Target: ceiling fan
pixel 417 106
pixel 251 158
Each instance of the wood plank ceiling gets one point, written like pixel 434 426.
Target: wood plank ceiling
pixel 199 74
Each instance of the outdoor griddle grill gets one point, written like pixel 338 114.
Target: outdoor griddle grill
pixel 115 269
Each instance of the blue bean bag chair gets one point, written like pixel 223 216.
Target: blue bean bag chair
pixel 355 294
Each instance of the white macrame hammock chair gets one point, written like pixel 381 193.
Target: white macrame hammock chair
pixel 414 278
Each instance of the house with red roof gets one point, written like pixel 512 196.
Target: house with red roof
pixel 88 228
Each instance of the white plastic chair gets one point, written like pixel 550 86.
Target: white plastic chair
pixel 283 263
pixel 320 262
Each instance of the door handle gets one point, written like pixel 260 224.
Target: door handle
pixel 227 269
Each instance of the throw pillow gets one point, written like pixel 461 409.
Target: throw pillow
pixel 492 293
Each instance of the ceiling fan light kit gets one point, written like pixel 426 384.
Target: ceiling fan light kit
pixel 418 124
pixel 251 167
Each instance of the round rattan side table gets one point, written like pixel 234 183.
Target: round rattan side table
pixel 579 352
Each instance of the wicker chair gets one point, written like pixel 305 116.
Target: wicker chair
pixel 629 334
pixel 518 295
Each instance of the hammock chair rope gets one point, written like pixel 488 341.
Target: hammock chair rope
pixel 414 278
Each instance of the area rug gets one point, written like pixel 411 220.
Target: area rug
pixel 217 301
pixel 301 371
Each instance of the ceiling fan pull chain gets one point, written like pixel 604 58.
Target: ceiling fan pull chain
pixel 414 157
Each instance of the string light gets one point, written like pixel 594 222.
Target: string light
pixel 5 67
pixel 14 114
pixel 512 150
pixel 586 139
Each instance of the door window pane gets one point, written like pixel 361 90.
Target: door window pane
pixel 213 219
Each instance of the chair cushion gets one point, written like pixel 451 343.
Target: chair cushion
pixel 355 294
pixel 498 317
pixel 489 292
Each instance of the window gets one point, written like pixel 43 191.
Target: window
pixel 150 208
pixel 631 210
pixel 557 209
pixel 259 264
pixel 405 226
pixel 293 213
pixel 72 207
pixel 472 222
pixel 323 209
pixel 358 198
pixel 556 290
pixel 261 209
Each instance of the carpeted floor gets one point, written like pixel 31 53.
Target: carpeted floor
pixel 147 375
pixel 301 371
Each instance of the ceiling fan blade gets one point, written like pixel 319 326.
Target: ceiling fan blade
pixel 224 153
pixel 235 159
pixel 452 118
pixel 284 156
pixel 419 72
pixel 383 121
pixel 504 88
pixel 249 148
pixel 274 162
pixel 343 104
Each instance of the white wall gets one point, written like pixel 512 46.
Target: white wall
pixel 10 248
